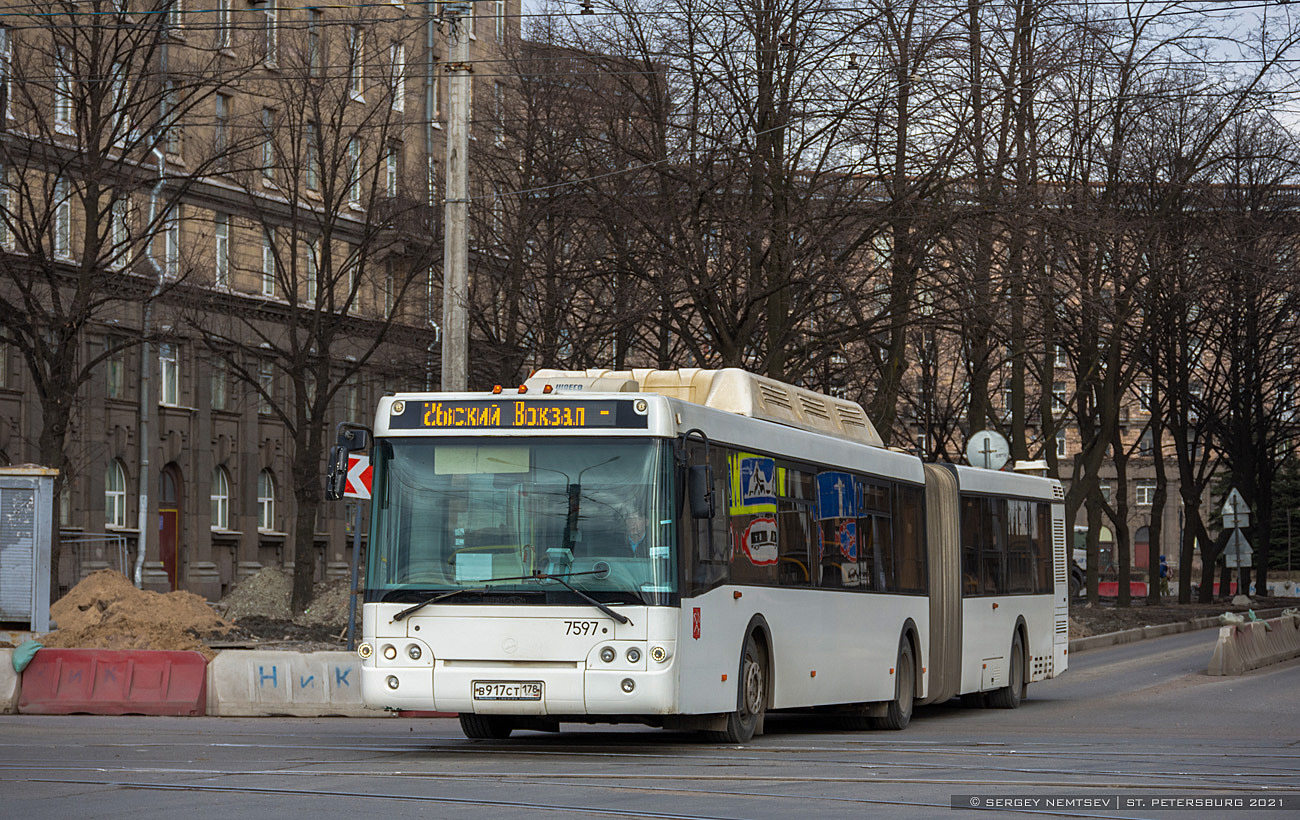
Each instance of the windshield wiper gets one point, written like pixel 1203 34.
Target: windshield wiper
pixel 435 599
pixel 537 576
pixel 618 616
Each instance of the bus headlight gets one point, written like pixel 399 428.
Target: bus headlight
pixel 628 685
pixel 413 652
pixel 608 654
pixel 392 681
pixel 390 651
pixel 659 654
pixel 364 651
pixel 633 655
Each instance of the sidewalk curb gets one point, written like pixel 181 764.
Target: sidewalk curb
pixel 1143 632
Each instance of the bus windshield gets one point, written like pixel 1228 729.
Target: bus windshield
pixel 482 517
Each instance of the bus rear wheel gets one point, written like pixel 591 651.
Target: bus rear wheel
pixel 1009 696
pixel 485 727
pixel 751 697
pixel 899 712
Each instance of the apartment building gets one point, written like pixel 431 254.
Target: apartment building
pixel 220 236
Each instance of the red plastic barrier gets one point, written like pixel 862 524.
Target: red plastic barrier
pixel 108 682
pixel 1110 589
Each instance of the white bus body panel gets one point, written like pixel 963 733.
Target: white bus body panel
pixel 988 626
pixel 850 640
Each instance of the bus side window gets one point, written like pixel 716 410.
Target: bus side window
pixel 1022 523
pixel 993 550
pixel 912 575
pixel 971 532
pixel 1043 554
pixel 796 531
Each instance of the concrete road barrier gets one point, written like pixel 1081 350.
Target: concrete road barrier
pixel 9 688
pixel 1250 645
pixel 254 683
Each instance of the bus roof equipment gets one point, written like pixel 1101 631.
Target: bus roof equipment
pixel 730 389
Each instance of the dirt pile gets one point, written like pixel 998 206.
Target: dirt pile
pixel 264 595
pixel 260 608
pixel 105 611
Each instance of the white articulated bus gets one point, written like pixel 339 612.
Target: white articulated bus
pixel 692 549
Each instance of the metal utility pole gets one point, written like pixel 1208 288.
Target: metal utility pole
pixel 455 259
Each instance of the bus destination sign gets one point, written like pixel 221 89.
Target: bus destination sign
pixel 516 414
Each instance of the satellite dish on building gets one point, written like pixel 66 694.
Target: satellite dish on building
pixel 988 449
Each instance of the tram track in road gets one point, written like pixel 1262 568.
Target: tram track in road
pixel 1154 781
pixel 1200 769
pixel 596 810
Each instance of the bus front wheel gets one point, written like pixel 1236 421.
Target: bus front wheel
pixel 899 711
pixel 485 727
pixel 751 697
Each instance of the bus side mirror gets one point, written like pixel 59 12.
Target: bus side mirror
pixel 336 481
pixel 699 489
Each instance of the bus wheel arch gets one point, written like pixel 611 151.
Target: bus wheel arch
pixel 1009 696
pixel 753 686
pixel 913 636
pixel 898 711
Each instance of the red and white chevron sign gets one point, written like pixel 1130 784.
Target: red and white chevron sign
pixel 359 477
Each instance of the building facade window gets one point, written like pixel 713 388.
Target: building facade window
pixel 120 217
pixel 311 158
pixel 1058 397
pixel 266 387
pixel 62 221
pixel 221 239
pixel 354 172
pixel 1146 492
pixel 220 498
pixel 313 42
pixel 223 23
pixel 391 171
pixel 1060 444
pixel 219 384
pixel 62 92
pixel 115 367
pixel 1144 396
pixel 268 144
pixel 172 243
pixel 265 501
pixel 356 63
pixel 221 130
pixel 271 32
pixel 169 118
pixel 499 114
pixel 6 239
pixel 169 373
pixel 313 270
pixel 499 15
pixel 6 71
pixel 397 67
pixel 1060 357
pixel 268 262
pixel 115 495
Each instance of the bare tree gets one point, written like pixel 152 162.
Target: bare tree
pixel 93 100
pixel 344 227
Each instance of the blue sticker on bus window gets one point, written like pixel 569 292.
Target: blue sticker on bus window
pixel 836 496
pixel 757 481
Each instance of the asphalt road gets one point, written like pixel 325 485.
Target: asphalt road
pixel 1137 722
